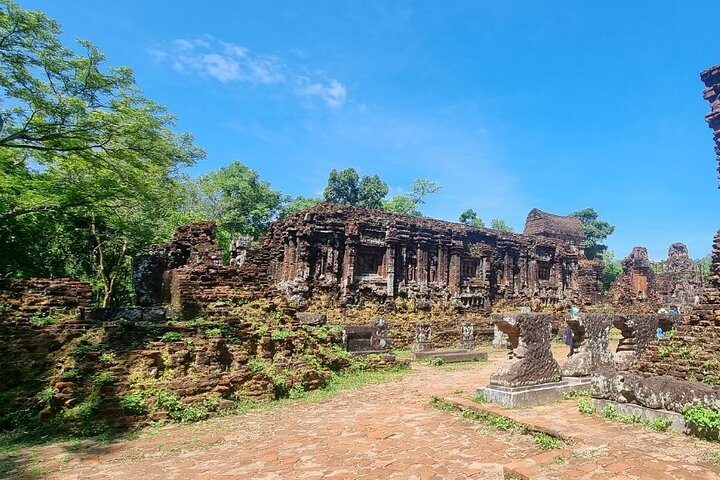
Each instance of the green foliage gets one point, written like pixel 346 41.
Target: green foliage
pixel 480 398
pixel 469 217
pixel 609 411
pixel 82 411
pixel 297 391
pixel 547 442
pixel 596 231
pixel 104 378
pixel 436 362
pixel 611 270
pixel 134 403
pixel 172 337
pixel 70 374
pixel 297 204
pixel 177 410
pixel 585 406
pixel 407 204
pixel 570 394
pixel 440 404
pixel 498 224
pixel 257 365
pixel 556 377
pixel 214 331
pixel 660 424
pixel 281 334
pixel 347 187
pixel 46 395
pixel 236 198
pixel 42 320
pixel 702 417
pixel 87 163
pixel 630 418
pixel 711 455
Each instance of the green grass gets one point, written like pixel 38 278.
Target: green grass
pixel 547 442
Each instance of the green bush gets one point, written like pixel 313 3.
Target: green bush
pixel 702 417
pixel 134 403
pixel 172 337
pixel 436 362
pixel 70 374
pixel 297 391
pixel 214 331
pixel 585 406
pixel 103 378
pixel 660 424
pixel 609 411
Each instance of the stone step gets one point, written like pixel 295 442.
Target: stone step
pixel 451 355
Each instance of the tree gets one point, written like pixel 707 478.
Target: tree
pixel 348 188
pixel 499 224
pixel 297 204
pixel 596 231
pixel 469 217
pixel 236 198
pixel 87 164
pixel 612 269
pixel 407 204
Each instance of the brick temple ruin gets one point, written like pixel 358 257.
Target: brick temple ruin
pixel 640 290
pixel 353 255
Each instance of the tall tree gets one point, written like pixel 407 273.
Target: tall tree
pixel 347 187
pixel 87 163
pixel 596 231
pixel 469 217
pixel 237 199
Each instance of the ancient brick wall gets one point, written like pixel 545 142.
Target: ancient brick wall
pixel 22 299
pixel 590 278
pixel 637 289
pixel 358 255
pixel 691 353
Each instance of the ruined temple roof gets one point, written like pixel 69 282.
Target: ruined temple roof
pixel 544 224
pixel 327 209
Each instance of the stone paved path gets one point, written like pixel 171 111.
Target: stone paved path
pixel 388 431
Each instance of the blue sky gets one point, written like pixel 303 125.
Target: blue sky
pixel 509 104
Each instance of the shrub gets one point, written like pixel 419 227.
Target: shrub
pixel 134 403
pixel 103 378
pixel 70 374
pixel 660 424
pixel 704 418
pixel 214 331
pixel 46 395
pixel 297 391
pixel 172 337
pixel 609 411
pixel 436 362
pixel 585 406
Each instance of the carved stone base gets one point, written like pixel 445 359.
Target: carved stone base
pixel 532 394
pixel 451 356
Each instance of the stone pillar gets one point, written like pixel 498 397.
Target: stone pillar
pixel 422 264
pixel 454 276
pixel 442 267
pixel 390 269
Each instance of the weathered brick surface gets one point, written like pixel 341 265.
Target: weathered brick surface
pixel 22 299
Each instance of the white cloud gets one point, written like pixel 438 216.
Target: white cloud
pixel 333 93
pixel 227 62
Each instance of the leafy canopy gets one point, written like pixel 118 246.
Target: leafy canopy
pixel 469 217
pixel 596 231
